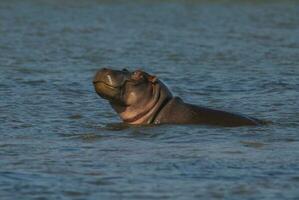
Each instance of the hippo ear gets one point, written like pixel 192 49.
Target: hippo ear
pixel 152 79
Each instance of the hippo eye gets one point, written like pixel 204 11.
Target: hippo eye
pixel 137 75
pixel 125 70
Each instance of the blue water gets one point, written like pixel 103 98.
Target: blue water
pixel 59 140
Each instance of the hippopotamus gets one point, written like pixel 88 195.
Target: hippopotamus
pixel 141 98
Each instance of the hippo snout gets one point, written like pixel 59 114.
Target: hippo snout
pixel 101 75
pixel 113 78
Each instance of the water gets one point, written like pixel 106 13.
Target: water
pixel 59 140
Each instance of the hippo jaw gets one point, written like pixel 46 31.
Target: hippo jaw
pixel 107 91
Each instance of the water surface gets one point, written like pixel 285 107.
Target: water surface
pixel 59 140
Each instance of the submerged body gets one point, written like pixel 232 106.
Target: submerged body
pixel 178 112
pixel 140 98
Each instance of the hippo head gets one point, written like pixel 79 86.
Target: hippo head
pixel 132 94
pixel 123 87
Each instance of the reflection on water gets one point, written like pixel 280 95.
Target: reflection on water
pixel 59 140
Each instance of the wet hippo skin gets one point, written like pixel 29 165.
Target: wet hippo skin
pixel 141 98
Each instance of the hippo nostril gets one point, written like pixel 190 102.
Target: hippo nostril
pixel 103 69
